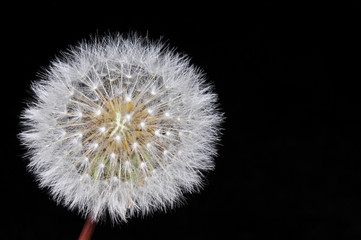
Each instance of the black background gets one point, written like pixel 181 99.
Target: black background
pixel 287 78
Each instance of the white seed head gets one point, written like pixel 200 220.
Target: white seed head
pixel 104 133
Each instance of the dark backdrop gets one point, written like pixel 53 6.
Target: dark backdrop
pixel 287 78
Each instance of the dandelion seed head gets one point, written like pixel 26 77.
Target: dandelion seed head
pixel 127 102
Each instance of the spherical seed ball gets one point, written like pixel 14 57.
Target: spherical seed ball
pixel 121 125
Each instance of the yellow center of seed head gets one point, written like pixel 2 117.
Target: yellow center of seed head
pixel 121 133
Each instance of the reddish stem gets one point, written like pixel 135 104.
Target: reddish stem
pixel 88 229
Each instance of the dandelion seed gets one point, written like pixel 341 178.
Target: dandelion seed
pixel 102 129
pixel 98 112
pixel 117 138
pixel 143 165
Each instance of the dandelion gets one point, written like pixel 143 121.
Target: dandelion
pixel 109 121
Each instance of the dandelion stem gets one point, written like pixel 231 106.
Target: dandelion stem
pixel 88 229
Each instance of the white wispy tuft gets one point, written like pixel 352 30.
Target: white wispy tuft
pixel 121 125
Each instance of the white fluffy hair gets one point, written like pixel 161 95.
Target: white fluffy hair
pixel 122 126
